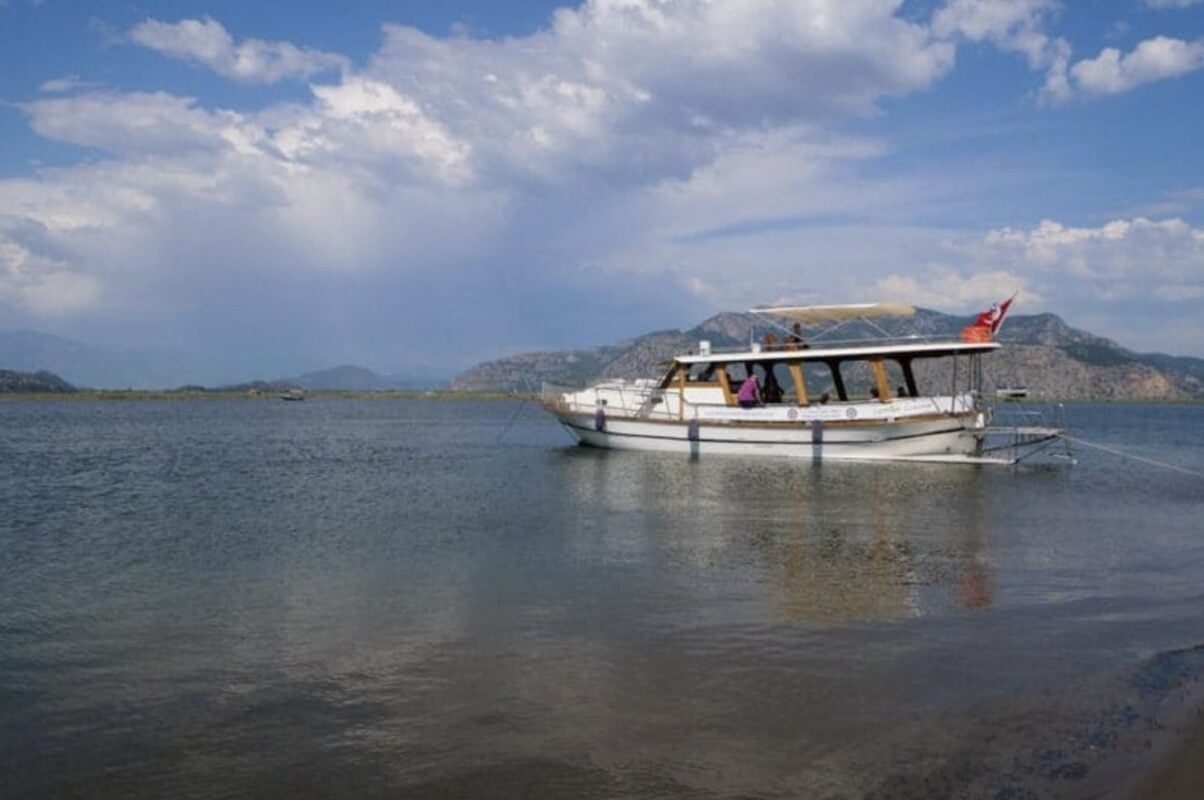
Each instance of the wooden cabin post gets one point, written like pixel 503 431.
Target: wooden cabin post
pixel 681 392
pixel 800 385
pixel 878 367
pixel 728 397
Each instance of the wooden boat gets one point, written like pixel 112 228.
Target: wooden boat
pixel 693 407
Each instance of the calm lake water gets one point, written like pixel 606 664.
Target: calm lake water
pixel 377 598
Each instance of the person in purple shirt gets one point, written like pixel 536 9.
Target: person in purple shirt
pixel 750 393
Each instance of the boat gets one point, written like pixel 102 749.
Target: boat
pixel 1011 392
pixel 293 394
pixel 880 399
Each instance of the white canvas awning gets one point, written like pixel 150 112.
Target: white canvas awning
pixel 813 315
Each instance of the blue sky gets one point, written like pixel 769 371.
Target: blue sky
pixel 425 185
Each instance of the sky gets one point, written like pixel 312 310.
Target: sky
pixel 421 186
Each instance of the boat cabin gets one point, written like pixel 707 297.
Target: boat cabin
pixel 788 375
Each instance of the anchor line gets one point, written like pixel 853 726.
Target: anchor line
pixel 522 406
pixel 1042 445
pixel 1142 459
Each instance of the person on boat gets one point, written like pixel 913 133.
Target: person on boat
pixel 772 393
pixel 749 395
pixel 769 341
pixel 795 342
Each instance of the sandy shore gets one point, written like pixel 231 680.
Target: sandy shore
pixel 1177 774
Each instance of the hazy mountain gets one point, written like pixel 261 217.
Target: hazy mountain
pixel 350 378
pixel 102 368
pixel 342 378
pixel 98 367
pixel 418 380
pixel 12 382
pixel 1044 353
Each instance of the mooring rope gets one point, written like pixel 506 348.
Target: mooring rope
pixel 522 406
pixel 1142 459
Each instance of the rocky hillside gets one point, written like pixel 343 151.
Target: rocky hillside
pixel 1045 354
pixel 41 382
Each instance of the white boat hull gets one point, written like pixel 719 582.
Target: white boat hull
pixel 947 436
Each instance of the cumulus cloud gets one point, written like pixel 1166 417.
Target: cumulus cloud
pixel 136 122
pixel 42 285
pixel 948 289
pixel 1159 58
pixel 1019 26
pixel 1126 258
pixel 1015 26
pixel 207 43
pixel 640 90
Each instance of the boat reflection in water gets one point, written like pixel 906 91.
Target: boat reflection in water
pixel 840 543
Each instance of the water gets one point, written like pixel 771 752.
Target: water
pixel 237 598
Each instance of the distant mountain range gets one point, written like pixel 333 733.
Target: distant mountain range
pixel 345 378
pixel 1045 354
pixel 101 368
pixel 83 365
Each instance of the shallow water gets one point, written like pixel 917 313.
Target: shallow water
pixel 446 599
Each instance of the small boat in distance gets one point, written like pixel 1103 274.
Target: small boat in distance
pixel 1011 392
pixel 840 400
pixel 293 394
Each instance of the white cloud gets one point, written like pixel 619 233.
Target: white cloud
pixel 1018 26
pixel 207 43
pixel 1134 258
pixel 42 285
pixel 947 289
pixel 1172 3
pixel 370 121
pixel 134 123
pixel 641 90
pixel 1013 26
pixel 1159 58
pixel 67 83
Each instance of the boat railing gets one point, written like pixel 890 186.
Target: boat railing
pixel 650 401
pixel 641 400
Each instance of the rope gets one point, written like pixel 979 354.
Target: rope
pixel 1123 454
pixel 522 406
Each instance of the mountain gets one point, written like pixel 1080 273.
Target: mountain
pixel 345 378
pixel 350 378
pixel 1051 358
pixel 102 368
pixel 98 367
pixel 44 382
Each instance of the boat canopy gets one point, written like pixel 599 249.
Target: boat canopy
pixel 812 315
pixel 848 352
